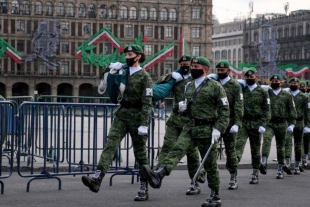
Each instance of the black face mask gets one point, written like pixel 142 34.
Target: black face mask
pixel 303 90
pixel 250 82
pixel 222 75
pixel 131 61
pixel 308 90
pixel 275 85
pixel 184 69
pixel 293 88
pixel 196 73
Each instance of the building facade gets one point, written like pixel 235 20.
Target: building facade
pixel 48 33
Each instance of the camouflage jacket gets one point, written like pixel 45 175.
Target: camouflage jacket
pixel 282 106
pixel 302 105
pixel 256 107
pixel 138 92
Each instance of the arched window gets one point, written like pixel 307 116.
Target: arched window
pixel 256 37
pixel 239 54
pixel 234 54
pixel 308 29
pixel 286 31
pixel 48 9
pixel 3 6
pixel 113 12
pixel 153 14
pixel 133 13
pixel 143 13
pixel 293 31
pixel 91 11
pixel 38 8
pixel 173 15
pixel 280 33
pixel 82 10
pixel 224 54
pixel 300 30
pixel 15 7
pixel 124 12
pixel 25 8
pixel 163 14
pixel 103 12
pixel 70 10
pixel 229 55
pixel 60 9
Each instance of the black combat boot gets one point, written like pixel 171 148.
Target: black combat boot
pixel 287 167
pixel 154 177
pixel 297 168
pixel 143 193
pixel 213 201
pixel 304 162
pixel 301 167
pixel 254 178
pixel 201 177
pixel 193 189
pixel 233 185
pixel 93 182
pixel 263 166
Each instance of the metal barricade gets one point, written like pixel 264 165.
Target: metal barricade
pixel 20 99
pixel 73 99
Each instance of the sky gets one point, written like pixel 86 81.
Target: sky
pixel 227 10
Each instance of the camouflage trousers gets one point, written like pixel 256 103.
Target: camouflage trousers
pixel 279 131
pixel 255 144
pixel 230 150
pixel 186 142
pixel 117 132
pixel 171 136
pixel 306 142
pixel 297 134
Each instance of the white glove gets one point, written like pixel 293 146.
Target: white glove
pixel 261 130
pixel 142 130
pixel 177 76
pixel 216 134
pixel 306 130
pixel 213 76
pixel 234 129
pixel 242 83
pixel 266 87
pixel 116 66
pixel 182 106
pixel 103 84
pixel 291 128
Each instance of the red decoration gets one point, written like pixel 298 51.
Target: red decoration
pixel 145 39
pixel 121 48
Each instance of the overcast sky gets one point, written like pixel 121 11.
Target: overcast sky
pixel 227 10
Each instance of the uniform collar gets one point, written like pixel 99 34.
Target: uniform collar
pixel 198 81
pixel 133 70
pixel 294 93
pixel 252 87
pixel 277 91
pixel 225 80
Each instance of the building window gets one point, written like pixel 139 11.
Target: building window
pixel 286 32
pixel 87 28
pixel 60 9
pixel 70 10
pixel 20 25
pixel 15 7
pixel 148 50
pixel 196 51
pixel 153 14
pixel 168 68
pixel 149 31
pixel 168 31
pixel 86 69
pixel 48 9
pixel 20 45
pixel 123 12
pixel 164 14
pixel 91 11
pixel 293 31
pixel 300 30
pixel 196 14
pixel 38 8
pixel 128 30
pixel 308 29
pixel 112 12
pixel 64 68
pixel 65 27
pixel 196 32
pixel 173 15
pixel 82 9
pixel 103 12
pixel 133 13
pixel 109 26
pixel 25 8
pixel 143 13
pixel 65 47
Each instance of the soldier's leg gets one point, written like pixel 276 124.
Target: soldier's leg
pixel 255 145
pixel 306 149
pixel 241 141
pixel 192 161
pixel 267 139
pixel 280 135
pixel 117 132
pixel 298 133
pixel 288 153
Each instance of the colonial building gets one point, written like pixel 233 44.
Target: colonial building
pixel 48 33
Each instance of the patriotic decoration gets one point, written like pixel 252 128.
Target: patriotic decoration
pixel 6 48
pixel 183 47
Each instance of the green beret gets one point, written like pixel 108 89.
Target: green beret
pixel 294 79
pixel 275 76
pixel 185 58
pixel 303 83
pixel 250 71
pixel 222 64
pixel 307 82
pixel 200 60
pixel 133 48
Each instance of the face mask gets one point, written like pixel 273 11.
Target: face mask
pixel 196 73
pixel 222 75
pixel 303 90
pixel 293 88
pixel 250 82
pixel 275 85
pixel 131 61
pixel 308 90
pixel 184 70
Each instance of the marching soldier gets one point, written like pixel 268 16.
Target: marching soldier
pixel 235 99
pixel 131 116
pixel 208 108
pixel 255 118
pixel 283 115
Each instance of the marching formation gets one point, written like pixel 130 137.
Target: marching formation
pixel 206 108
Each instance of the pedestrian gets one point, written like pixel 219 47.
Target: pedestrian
pixel 256 115
pixel 208 109
pixel 130 117
pixel 162 109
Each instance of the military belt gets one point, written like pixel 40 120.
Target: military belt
pixel 201 122
pixel 252 117
pixel 300 119
pixel 127 104
pixel 277 120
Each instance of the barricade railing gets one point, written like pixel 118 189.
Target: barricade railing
pixel 73 99
pixel 20 99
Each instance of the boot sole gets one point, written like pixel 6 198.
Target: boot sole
pixel 148 175
pixel 233 188
pixel 192 193
pixel 263 169
pixel 139 199
pixel 211 205
pixel 287 170
pixel 87 184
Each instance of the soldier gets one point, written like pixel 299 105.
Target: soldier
pixel 283 115
pixel 303 86
pixel 255 118
pixel 176 122
pixel 235 99
pixel 131 116
pixel 303 119
pixel 208 108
